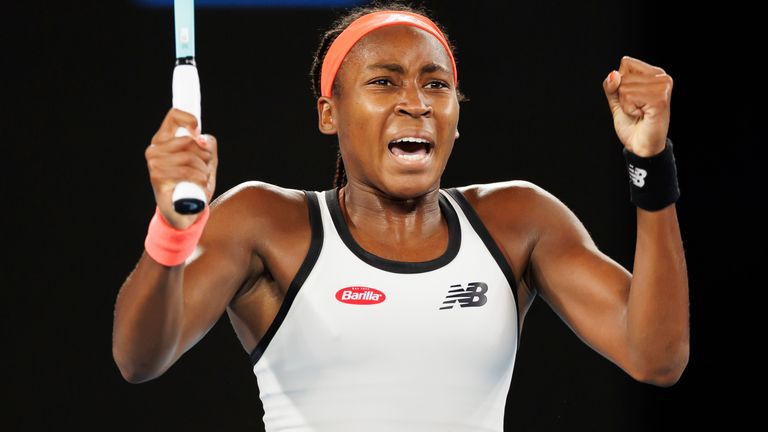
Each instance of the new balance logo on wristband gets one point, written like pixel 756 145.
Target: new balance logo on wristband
pixel 473 296
pixel 637 175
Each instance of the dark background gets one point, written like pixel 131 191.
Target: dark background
pixel 88 83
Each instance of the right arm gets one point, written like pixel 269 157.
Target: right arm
pixel 163 311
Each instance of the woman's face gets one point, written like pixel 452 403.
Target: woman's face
pixel 395 84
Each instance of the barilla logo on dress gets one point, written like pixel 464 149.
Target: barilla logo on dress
pixel 359 295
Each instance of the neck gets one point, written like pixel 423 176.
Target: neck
pixel 378 215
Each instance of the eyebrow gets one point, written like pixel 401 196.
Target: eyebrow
pixel 434 67
pixel 396 68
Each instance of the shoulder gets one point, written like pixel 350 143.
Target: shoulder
pixel 519 194
pixel 256 207
pixel 517 205
pixel 258 195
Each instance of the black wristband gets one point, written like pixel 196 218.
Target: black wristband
pixel 652 180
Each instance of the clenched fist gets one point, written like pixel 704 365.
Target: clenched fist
pixel 173 159
pixel 639 96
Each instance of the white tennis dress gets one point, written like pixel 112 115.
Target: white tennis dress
pixel 366 344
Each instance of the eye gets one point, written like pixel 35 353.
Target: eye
pixel 381 82
pixel 437 85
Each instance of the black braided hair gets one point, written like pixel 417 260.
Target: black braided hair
pixel 340 178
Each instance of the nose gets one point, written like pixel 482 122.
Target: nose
pixel 413 103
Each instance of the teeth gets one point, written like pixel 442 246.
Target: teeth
pixel 411 139
pixel 412 157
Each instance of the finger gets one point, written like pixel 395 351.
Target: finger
pixel 208 142
pixel 170 166
pixel 185 160
pixel 636 79
pixel 211 184
pixel 212 146
pixel 167 176
pixel 635 101
pixel 179 145
pixel 652 91
pixel 174 166
pixel 632 106
pixel 648 97
pixel 611 87
pixel 630 65
pixel 174 120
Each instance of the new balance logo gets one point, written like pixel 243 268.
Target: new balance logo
pixel 473 296
pixel 637 175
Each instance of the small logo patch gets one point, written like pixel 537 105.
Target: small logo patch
pixel 359 295
pixel 637 175
pixel 472 296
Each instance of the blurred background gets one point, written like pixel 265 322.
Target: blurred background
pixel 88 83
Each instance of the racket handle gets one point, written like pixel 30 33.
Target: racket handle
pixel 188 197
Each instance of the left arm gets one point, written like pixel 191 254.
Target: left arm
pixel 639 321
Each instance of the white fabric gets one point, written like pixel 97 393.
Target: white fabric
pixel 403 364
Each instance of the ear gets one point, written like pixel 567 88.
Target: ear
pixel 458 106
pixel 325 116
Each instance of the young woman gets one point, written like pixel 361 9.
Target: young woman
pixel 388 303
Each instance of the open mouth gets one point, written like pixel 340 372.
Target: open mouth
pixel 410 148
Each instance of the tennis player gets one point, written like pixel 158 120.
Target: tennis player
pixel 389 303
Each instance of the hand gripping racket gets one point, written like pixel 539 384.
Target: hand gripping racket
pixel 188 197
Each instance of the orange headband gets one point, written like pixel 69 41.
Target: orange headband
pixel 366 24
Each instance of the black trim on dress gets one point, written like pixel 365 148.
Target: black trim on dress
pixel 490 243
pixel 316 244
pixel 454 240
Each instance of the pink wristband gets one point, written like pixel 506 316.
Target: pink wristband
pixel 170 246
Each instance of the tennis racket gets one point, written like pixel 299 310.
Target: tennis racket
pixel 188 197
